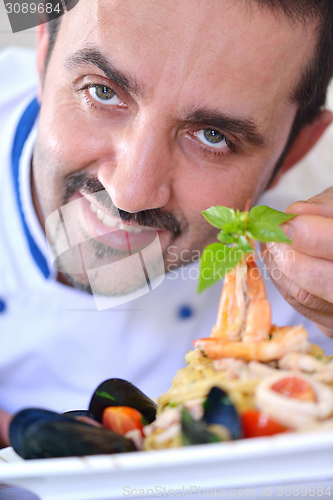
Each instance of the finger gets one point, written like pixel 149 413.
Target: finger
pixel 327 331
pixel 312 235
pixel 322 315
pixel 313 275
pixel 310 306
pixel 321 204
pixel 318 310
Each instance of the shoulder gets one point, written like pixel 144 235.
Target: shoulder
pixel 18 62
pixel 18 87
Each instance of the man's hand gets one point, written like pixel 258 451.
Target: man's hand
pixel 303 271
pixel 5 419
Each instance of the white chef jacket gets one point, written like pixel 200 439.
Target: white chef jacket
pixel 55 346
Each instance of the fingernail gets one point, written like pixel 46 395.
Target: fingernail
pixel 288 230
pixel 276 250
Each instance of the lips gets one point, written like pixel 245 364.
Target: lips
pixel 110 230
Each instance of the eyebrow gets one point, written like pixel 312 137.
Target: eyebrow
pixel 95 58
pixel 243 127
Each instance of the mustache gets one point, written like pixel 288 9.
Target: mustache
pixel 156 218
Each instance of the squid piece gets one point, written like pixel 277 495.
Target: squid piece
pixel 292 410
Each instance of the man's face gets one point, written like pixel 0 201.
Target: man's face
pixel 177 106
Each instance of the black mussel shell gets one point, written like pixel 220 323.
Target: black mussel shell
pixel 218 409
pixel 24 419
pixel 43 434
pixel 117 392
pixel 78 413
pixel 195 431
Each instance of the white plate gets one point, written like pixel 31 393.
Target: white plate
pixel 274 466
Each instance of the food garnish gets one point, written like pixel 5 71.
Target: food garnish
pixel 294 387
pixel 122 419
pixel 238 231
pixel 258 424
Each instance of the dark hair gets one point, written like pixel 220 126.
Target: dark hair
pixel 55 23
pixel 310 91
pixel 311 88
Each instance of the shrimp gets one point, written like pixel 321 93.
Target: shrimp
pixel 232 307
pixel 284 340
pixel 323 372
pixel 244 312
pixel 259 314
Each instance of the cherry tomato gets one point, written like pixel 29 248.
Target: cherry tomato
pixel 294 387
pixel 121 419
pixel 256 424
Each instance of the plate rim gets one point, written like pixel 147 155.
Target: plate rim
pixel 231 451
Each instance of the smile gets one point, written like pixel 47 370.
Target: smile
pixel 109 221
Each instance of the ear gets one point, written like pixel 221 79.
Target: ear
pixel 306 139
pixel 42 48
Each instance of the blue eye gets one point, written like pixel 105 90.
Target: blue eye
pixel 104 95
pixel 212 137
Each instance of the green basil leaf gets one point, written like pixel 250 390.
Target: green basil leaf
pixel 261 224
pixel 262 213
pixel 265 232
pixel 219 216
pixel 216 261
pixel 244 245
pixel 226 238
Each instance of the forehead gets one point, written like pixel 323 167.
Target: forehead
pixel 209 50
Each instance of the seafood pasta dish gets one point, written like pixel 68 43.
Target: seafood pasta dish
pixel 250 378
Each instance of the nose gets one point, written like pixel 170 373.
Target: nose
pixel 138 177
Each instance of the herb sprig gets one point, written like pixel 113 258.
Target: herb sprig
pixel 238 232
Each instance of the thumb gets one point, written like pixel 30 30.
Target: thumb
pixel 321 204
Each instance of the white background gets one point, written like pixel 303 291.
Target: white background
pixel 24 38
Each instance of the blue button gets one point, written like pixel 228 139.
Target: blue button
pixel 185 312
pixel 2 306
